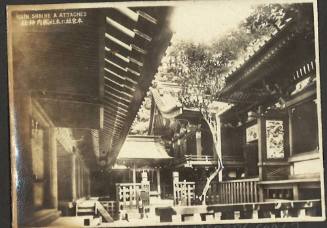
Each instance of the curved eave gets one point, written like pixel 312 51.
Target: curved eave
pixel 247 72
pixel 130 71
pixel 167 111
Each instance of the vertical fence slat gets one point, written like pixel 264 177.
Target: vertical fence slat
pixel 252 192
pixel 236 191
pixel 255 192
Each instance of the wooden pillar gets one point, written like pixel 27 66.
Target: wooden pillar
pixel 134 182
pixel 53 190
pixel 295 192
pixel 175 181
pixel 73 177
pixel 144 176
pixel 175 177
pixel 82 180
pixel 88 183
pixel 261 148
pixel 77 177
pixel 158 182
pixel 134 173
pixel 198 142
pixel 218 144
pixel 23 157
pixel 290 131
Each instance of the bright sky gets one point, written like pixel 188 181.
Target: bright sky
pixel 204 21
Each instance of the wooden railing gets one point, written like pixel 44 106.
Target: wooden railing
pixel 239 191
pixel 129 194
pixel 195 158
pixel 191 157
pixel 184 194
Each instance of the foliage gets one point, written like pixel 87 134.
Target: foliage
pixel 201 69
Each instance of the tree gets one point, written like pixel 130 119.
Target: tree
pixel 201 69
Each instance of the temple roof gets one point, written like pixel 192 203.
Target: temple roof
pixel 143 147
pixel 281 60
pixel 167 104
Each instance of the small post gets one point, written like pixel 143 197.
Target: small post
pixel 218 215
pixel 255 214
pixel 175 177
pixel 175 181
pixel 237 215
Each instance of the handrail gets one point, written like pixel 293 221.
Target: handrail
pixel 240 180
pixel 185 182
pixel 198 156
pixel 188 157
pixel 128 184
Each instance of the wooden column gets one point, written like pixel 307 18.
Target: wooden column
pixel 53 169
pixel 290 138
pixel 73 177
pixel 158 182
pixel 134 173
pixel 218 144
pixel 198 142
pixel 295 192
pixel 175 181
pixel 261 148
pixel 82 179
pixel 290 131
pixel 134 182
pixel 23 156
pixel 88 192
pixel 144 176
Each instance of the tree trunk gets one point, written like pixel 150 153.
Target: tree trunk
pixel 219 164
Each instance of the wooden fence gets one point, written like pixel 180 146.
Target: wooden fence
pixel 130 194
pixel 184 193
pixel 239 191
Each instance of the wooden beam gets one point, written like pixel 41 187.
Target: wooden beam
pixel 129 13
pixel 117 113
pixel 115 106
pixel 116 96
pixel 120 27
pixel 115 118
pixel 126 59
pixel 107 99
pixel 113 123
pixel 118 118
pixel 124 78
pixel 118 91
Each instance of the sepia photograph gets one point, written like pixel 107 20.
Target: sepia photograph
pixel 165 113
